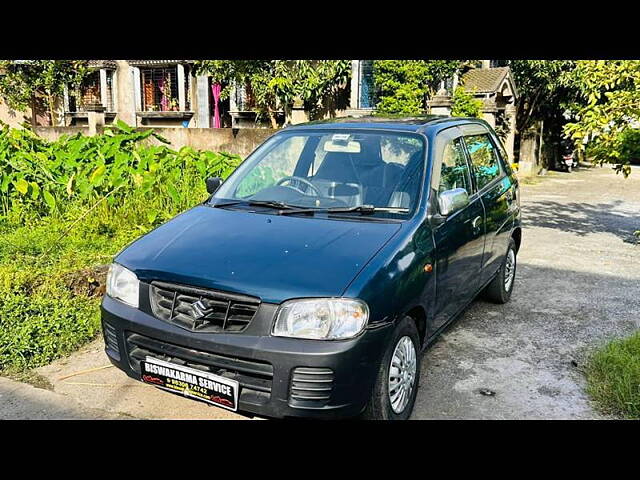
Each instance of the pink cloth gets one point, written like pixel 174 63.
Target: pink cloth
pixel 216 88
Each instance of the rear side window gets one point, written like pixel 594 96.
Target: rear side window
pixel 454 172
pixel 484 158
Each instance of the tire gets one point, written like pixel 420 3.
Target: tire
pixel 498 291
pixel 380 405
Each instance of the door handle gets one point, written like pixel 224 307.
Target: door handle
pixel 476 221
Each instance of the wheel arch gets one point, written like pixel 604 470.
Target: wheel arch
pixel 517 237
pixel 419 316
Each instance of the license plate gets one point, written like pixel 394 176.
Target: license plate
pixel 192 383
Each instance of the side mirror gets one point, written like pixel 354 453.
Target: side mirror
pixel 213 183
pixel 451 201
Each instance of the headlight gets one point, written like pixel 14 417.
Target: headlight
pixel 321 318
pixel 123 285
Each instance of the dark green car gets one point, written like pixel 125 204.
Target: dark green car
pixel 312 278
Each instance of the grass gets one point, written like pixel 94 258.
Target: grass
pixel 613 377
pixel 50 290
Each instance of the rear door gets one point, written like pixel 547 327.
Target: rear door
pixel 495 188
pixel 459 238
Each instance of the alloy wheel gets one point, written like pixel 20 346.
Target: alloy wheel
pixel 402 374
pixel 509 269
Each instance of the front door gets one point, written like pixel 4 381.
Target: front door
pixel 496 190
pixel 459 238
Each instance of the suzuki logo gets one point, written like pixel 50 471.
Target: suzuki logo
pixel 200 311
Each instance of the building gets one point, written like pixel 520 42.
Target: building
pixel 496 88
pixel 167 94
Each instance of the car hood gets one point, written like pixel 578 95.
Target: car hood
pixel 274 257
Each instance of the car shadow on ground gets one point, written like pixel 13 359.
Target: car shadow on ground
pixel 582 218
pixel 529 353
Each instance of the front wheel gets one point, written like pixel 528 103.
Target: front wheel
pixel 394 393
pixel 500 288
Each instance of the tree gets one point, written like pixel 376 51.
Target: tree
pixel 276 84
pixel 545 91
pixel 23 82
pixel 403 86
pixel 608 113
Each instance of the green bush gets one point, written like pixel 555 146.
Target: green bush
pixel 403 86
pixel 613 377
pixel 464 104
pixel 41 175
pixel 109 189
pixel 39 326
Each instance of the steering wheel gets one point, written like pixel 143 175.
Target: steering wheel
pixel 304 181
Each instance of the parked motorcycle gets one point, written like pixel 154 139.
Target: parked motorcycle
pixel 568 157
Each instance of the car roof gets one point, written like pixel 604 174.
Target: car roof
pixel 412 124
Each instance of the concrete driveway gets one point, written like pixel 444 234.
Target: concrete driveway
pixel 577 284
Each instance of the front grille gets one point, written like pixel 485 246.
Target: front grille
pixel 111 338
pixel 311 387
pixel 255 377
pixel 221 312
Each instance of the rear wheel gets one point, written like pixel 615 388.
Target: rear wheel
pixel 394 393
pixel 500 288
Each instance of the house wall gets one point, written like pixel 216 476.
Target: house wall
pixel 12 117
pixel 125 103
pixel 241 141
pixel 238 141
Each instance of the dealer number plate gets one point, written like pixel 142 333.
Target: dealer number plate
pixel 192 383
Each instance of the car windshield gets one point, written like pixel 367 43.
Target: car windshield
pixel 333 170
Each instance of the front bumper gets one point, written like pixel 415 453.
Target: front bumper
pixel 276 375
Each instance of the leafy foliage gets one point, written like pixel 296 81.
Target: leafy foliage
pixel 276 84
pixel 24 81
pixel 42 316
pixel 40 175
pixel 464 104
pixel 403 86
pixel 609 108
pixel 546 93
pixel 545 90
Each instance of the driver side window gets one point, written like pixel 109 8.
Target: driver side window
pixel 280 162
pixel 454 171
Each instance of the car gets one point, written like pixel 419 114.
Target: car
pixel 313 278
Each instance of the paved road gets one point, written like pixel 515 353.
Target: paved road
pixel 577 284
pixel 19 401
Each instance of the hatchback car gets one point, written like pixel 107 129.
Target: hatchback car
pixel 311 280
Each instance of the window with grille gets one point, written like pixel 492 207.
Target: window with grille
pixel 159 89
pixel 90 93
pixel 244 97
pixel 90 90
pixel 366 84
pixel 110 102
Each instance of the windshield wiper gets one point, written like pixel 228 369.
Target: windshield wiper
pixel 362 209
pixel 262 203
pixel 270 203
pixel 224 204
